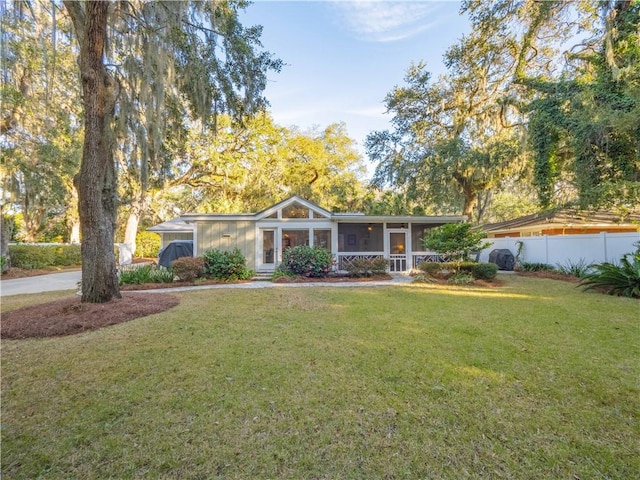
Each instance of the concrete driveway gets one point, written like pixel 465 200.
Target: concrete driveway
pixel 41 283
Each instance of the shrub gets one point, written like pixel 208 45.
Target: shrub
pixel 188 269
pixel 484 271
pixel 461 278
pixel 536 267
pixel 367 267
pixel 430 268
pixel 423 278
pixel 455 241
pixel 147 244
pixel 479 271
pixel 226 265
pixel 578 269
pixel 42 256
pixel 622 280
pixel 146 274
pixel 282 272
pixel 441 270
pixel 308 261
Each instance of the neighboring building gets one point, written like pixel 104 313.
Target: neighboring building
pixel 563 222
pixel 263 236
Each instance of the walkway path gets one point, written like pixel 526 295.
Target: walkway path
pixel 69 281
pixel 41 283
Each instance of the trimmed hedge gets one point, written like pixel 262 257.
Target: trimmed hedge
pixel 479 271
pixel 42 256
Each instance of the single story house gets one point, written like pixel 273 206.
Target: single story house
pixel 563 222
pixel 263 236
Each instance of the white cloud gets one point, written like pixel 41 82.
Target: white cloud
pixel 387 21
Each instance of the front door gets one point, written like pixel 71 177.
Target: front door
pixel 268 249
pixel 397 251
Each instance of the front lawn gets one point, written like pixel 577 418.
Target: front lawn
pixel 534 379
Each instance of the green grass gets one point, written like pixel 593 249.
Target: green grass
pixel 532 380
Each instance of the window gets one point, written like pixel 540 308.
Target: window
pixel 295 210
pixel 418 232
pixel 360 237
pixel 322 238
pixel 292 238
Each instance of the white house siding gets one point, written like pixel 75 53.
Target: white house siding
pixel 565 249
pixel 225 236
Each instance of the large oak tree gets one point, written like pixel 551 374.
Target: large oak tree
pixel 196 51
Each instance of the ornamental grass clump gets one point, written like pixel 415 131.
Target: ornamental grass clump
pixel 135 275
pixel 307 261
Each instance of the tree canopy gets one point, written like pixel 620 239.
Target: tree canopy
pixel 542 93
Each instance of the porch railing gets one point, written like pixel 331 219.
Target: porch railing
pixel 397 263
pixel 344 260
pixel 425 257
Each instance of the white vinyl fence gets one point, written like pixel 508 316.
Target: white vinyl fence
pixel 564 249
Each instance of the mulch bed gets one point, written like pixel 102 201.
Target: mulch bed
pixel 551 275
pixel 70 316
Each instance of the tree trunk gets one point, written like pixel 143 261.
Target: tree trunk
pixel 468 193
pixel 72 219
pixel 6 231
pixel 96 181
pixel 130 233
pixel 74 236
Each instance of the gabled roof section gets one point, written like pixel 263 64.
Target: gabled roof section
pixel 175 225
pixel 562 218
pixel 290 201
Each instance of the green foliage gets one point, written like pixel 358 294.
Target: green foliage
pixel 577 269
pixel 455 241
pixel 423 278
pixel 147 244
pixel 307 261
pixel 430 268
pixel 536 267
pixel 12 225
pixel 4 262
pixel 479 271
pixel 281 271
pixel 41 107
pixel 367 267
pixel 42 256
pixel 622 280
pixel 483 271
pixel 134 275
pixel 584 129
pixel 461 278
pixel 188 269
pixel 226 265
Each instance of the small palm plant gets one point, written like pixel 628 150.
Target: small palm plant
pixel 622 280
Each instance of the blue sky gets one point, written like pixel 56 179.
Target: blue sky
pixel 343 57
